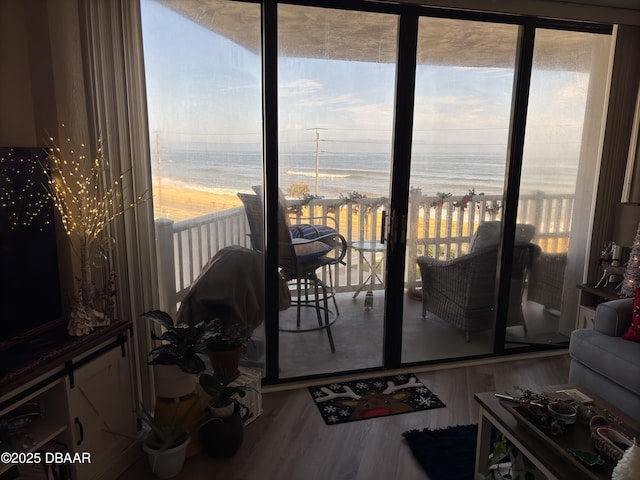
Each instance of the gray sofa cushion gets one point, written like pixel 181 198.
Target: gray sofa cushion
pixel 612 357
pixel 613 318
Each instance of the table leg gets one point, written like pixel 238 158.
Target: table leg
pixel 483 447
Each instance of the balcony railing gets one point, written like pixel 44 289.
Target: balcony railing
pixel 440 227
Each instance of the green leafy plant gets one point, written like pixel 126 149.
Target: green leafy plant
pixel 160 436
pixel 181 343
pixel 226 336
pixel 519 468
pixel 221 393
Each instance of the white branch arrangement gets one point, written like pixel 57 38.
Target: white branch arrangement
pixel 86 207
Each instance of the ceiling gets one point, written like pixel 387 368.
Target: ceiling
pixel 358 36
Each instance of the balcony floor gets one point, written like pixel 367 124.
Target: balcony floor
pixel 358 338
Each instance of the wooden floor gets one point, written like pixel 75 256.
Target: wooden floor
pixel 290 441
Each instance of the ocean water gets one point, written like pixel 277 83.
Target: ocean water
pixel 369 174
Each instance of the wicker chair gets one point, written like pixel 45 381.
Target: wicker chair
pixel 299 260
pixel 546 281
pixel 461 291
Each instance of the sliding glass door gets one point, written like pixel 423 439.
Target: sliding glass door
pixel 460 137
pixel 567 77
pixel 429 175
pixel 336 73
pixel 204 89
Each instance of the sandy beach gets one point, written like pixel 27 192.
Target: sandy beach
pixel 182 203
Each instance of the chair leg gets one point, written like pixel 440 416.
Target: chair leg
pixel 317 301
pixel 333 293
pixel 326 317
pixel 299 301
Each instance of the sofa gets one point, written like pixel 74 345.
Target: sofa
pixel 604 362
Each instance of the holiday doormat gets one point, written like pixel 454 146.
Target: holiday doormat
pixel 447 453
pixel 372 397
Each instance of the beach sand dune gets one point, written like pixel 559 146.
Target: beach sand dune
pixel 183 203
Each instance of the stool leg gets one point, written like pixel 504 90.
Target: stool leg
pixel 326 318
pixel 299 299
pixel 333 293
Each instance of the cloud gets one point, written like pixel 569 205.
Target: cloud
pixel 327 101
pixel 301 86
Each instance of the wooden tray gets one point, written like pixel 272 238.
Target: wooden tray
pixel 576 436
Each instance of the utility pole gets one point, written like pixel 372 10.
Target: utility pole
pixel 317 156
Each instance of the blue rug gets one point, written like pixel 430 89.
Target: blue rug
pixel 447 453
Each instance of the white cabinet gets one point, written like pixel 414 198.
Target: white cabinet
pixel 87 402
pixel 101 412
pixel 51 426
pixel 586 316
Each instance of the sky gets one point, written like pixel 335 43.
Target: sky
pixel 203 87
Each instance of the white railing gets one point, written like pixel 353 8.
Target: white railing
pixel 441 226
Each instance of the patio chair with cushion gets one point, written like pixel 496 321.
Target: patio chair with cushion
pixel 461 290
pixel 299 260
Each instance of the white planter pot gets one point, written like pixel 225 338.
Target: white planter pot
pixel 222 412
pixel 168 463
pixel 171 382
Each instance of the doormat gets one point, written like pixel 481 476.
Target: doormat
pixel 372 397
pixel 447 453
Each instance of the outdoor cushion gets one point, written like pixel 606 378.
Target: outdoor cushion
pixel 488 235
pixel 308 231
pixel 307 251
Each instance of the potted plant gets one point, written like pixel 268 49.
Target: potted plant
pixel 222 434
pixel 165 443
pixel 177 359
pixel 222 395
pixel 225 347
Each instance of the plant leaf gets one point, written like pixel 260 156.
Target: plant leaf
pixel 159 317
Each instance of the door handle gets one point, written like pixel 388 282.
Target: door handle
pixel 398 230
pixel 383 226
pixel 81 430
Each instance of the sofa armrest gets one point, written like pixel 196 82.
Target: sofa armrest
pixel 614 317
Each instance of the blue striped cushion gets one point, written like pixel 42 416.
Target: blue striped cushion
pixel 307 231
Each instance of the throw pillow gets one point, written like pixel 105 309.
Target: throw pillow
pixel 488 235
pixel 308 251
pixel 633 332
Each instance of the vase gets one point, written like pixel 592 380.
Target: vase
pixel 84 317
pixel 221 437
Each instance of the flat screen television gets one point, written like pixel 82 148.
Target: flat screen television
pixel 29 278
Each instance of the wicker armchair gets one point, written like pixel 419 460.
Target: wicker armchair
pixel 547 279
pixel 461 291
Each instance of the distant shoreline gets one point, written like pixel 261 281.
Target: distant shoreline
pixel 182 203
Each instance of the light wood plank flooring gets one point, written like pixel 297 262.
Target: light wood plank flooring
pixel 290 441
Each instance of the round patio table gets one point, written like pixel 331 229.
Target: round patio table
pixel 368 252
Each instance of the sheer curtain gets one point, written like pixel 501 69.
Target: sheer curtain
pixel 114 83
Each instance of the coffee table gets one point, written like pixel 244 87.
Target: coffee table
pixel 548 454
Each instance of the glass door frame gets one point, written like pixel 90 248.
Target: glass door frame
pixel 401 160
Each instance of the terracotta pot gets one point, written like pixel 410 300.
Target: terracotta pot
pixel 225 363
